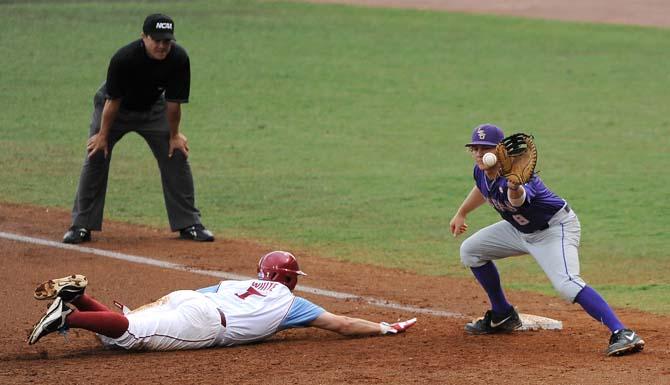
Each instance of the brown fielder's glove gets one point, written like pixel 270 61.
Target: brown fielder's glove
pixel 517 156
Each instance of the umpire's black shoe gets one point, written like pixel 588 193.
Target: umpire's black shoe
pixel 624 341
pixel 196 233
pixel 77 235
pixel 495 323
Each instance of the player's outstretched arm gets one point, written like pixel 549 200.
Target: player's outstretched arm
pixel 349 326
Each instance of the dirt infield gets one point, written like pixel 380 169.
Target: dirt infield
pixel 639 12
pixel 435 351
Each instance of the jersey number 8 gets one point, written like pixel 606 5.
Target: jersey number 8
pixel 520 219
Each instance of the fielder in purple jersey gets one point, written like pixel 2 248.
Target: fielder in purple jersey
pixel 227 314
pixel 538 222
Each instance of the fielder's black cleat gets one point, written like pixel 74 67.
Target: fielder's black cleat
pixel 76 235
pixel 67 288
pixel 196 232
pixel 624 341
pixel 494 323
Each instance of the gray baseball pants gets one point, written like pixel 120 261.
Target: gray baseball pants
pixel 152 125
pixel 556 249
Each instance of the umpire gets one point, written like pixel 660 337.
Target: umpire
pixel 147 81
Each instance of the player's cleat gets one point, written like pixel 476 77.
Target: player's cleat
pixel 494 323
pixel 53 321
pixel 67 288
pixel 196 232
pixel 76 235
pixel 624 341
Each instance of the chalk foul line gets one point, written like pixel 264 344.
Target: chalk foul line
pixel 225 275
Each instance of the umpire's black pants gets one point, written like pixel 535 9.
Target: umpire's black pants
pixel 176 177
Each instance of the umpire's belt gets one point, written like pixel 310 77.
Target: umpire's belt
pixel 223 317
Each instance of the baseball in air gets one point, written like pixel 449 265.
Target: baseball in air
pixel 489 159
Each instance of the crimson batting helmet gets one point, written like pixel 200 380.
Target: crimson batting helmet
pixel 279 266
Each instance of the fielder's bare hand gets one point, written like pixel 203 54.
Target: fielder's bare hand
pixel 457 225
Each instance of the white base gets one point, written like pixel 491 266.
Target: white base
pixel 535 322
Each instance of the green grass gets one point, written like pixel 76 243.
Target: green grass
pixel 341 129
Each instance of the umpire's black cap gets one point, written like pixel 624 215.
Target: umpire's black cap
pixel 159 27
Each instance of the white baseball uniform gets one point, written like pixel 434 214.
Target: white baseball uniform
pixel 230 313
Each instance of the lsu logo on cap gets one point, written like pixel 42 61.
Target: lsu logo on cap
pixel 481 133
pixel 163 25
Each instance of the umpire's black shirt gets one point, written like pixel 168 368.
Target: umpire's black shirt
pixel 140 80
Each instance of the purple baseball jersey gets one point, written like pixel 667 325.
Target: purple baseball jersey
pixel 534 214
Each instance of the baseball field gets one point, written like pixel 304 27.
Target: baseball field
pixel 336 132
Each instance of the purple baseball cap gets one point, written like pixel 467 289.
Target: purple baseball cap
pixel 486 135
